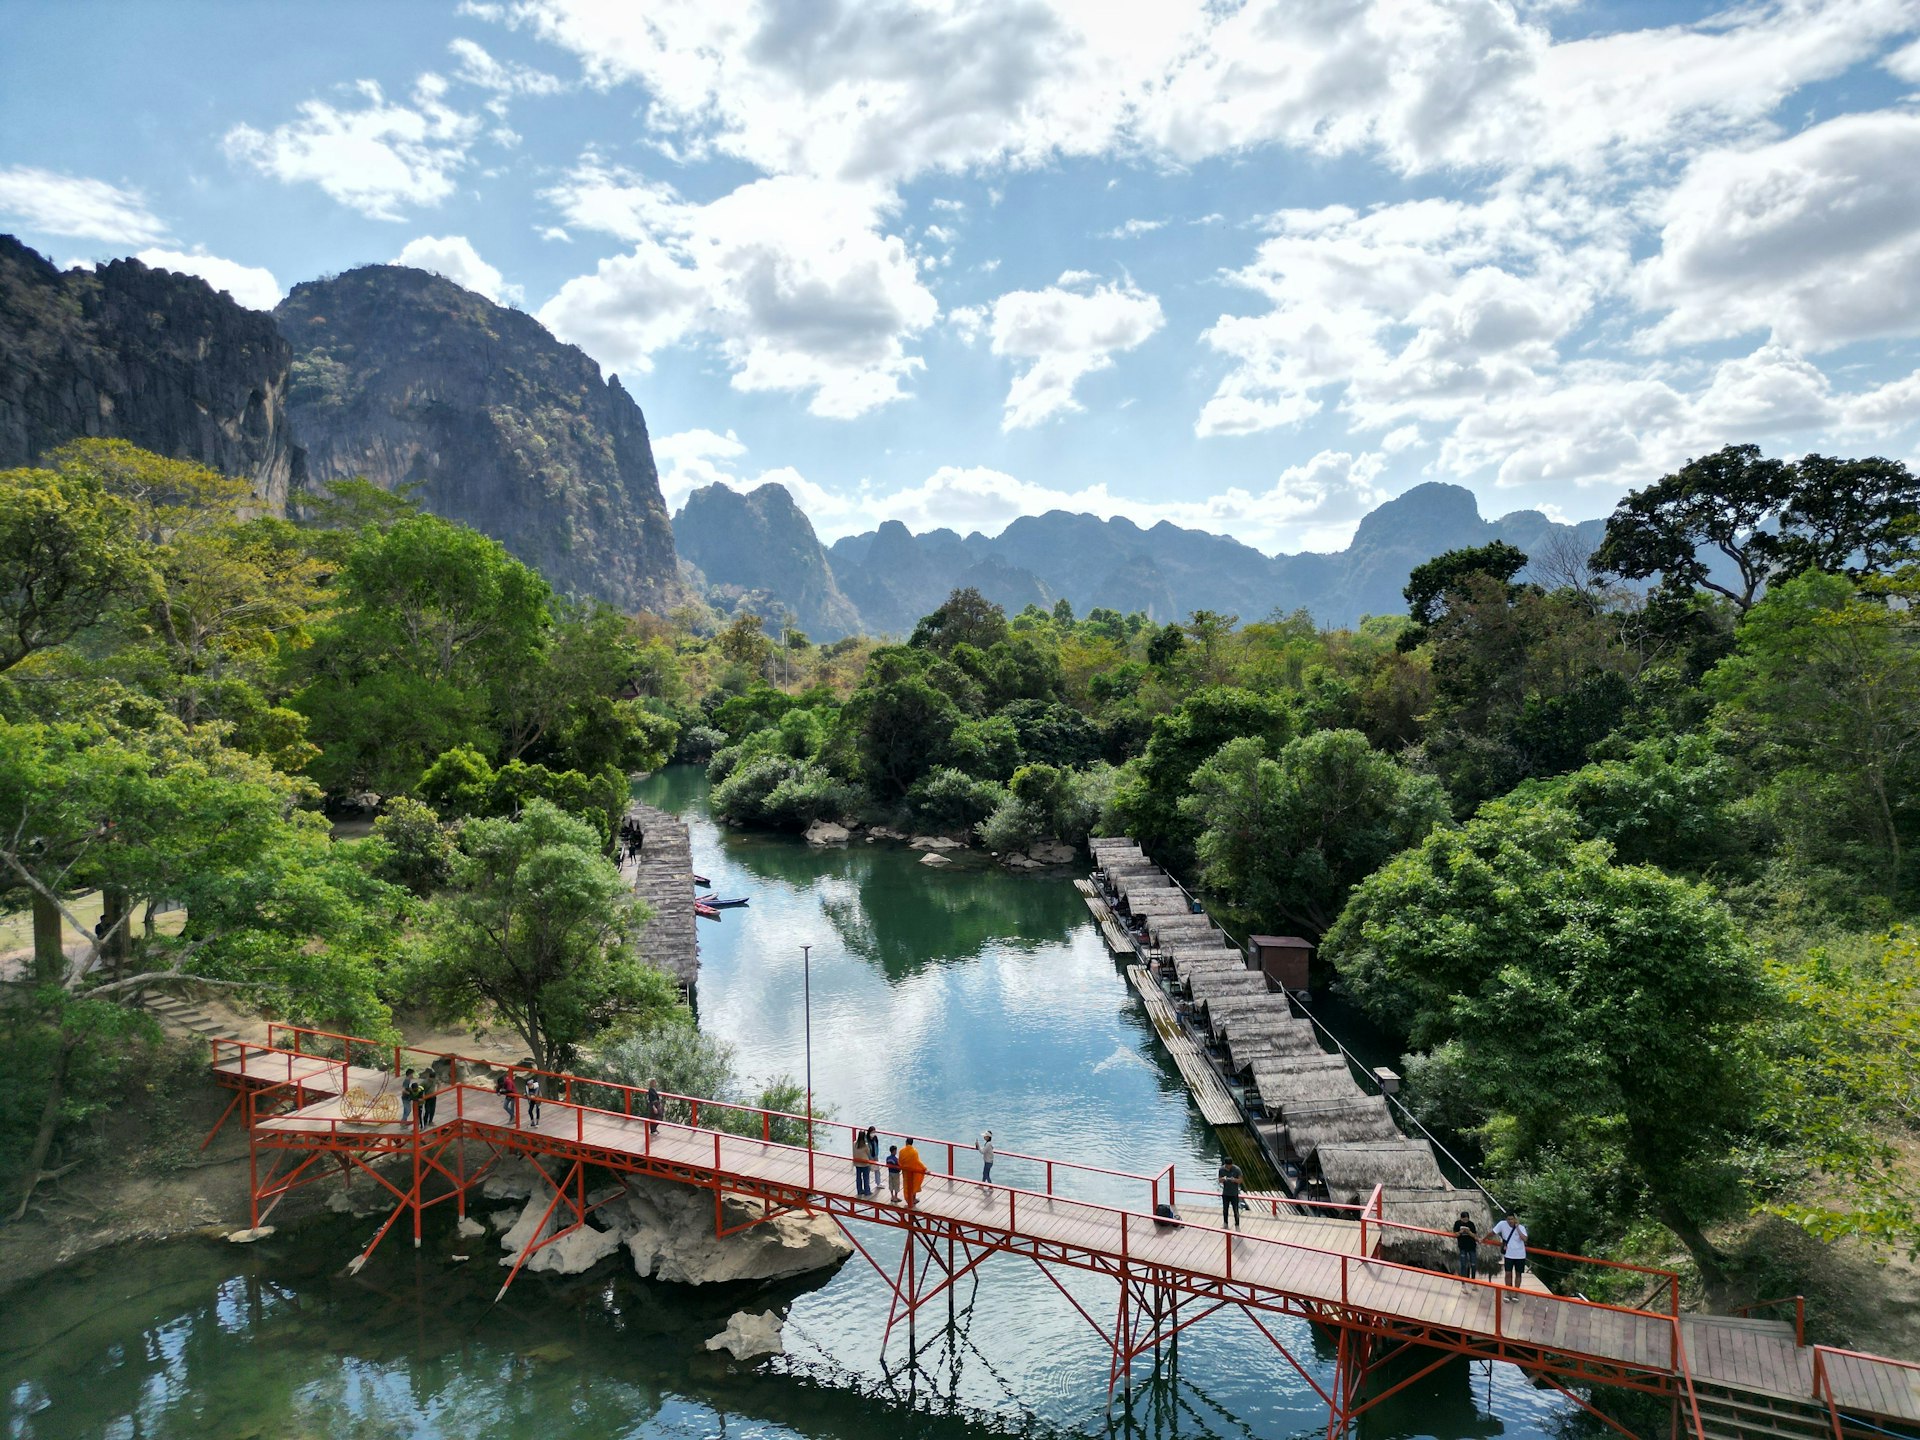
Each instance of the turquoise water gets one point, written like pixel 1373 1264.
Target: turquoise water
pixel 944 1001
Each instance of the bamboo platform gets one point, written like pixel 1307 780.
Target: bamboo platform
pixel 1110 930
pixel 1214 1101
pixel 663 877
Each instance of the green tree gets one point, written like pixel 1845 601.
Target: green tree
pixel 68 556
pixel 900 723
pixel 1149 801
pixel 1286 837
pixel 966 617
pixel 1578 991
pixel 535 925
pixel 1768 519
pixel 431 621
pixel 1830 681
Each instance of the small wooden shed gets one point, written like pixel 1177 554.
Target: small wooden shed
pixel 1283 957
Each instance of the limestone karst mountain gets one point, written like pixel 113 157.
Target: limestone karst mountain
pixel 128 352
pixel 406 378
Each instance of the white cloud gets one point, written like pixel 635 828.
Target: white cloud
pixel 249 285
pixel 476 67
pixel 1415 310
pixel 1904 64
pixel 43 200
pixel 1066 334
pixel 693 459
pixel 1133 229
pixel 377 157
pixel 454 257
pixel 796 280
pixel 1814 240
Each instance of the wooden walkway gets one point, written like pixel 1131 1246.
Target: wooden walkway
pixel 1110 930
pixel 1210 1094
pixel 663 877
pixel 1294 1265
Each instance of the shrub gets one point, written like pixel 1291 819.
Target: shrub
pixel 948 799
pixel 698 742
pixel 1014 825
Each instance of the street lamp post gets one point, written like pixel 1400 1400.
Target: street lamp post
pixel 806 993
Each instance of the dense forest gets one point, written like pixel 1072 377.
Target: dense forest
pixel 1621 854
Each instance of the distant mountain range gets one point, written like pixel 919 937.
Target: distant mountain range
pixel 892 577
pixel 407 378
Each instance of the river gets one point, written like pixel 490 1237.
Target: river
pixel 945 1001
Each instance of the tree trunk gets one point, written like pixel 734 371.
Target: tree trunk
pixel 49 954
pixel 116 914
pixel 49 1124
pixel 1706 1255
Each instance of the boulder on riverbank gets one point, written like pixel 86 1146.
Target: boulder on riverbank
pixel 935 859
pixel 825 832
pixel 667 1228
pixel 934 842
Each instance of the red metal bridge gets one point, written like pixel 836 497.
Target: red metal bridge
pixel 301 1096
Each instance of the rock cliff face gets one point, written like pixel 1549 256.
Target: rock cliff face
pixel 760 547
pixel 131 353
pixel 405 378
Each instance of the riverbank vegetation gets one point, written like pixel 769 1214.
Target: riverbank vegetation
pixel 183 683
pixel 1618 846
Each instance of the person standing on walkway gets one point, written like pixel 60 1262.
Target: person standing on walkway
pixel 1511 1236
pixel 913 1172
pixel 873 1153
pixel 429 1100
pixel 986 1157
pixel 862 1178
pixel 406 1096
pixel 1466 1235
pixel 509 1094
pixel 533 1101
pixel 893 1173
pixel 1229 1177
pixel 656 1107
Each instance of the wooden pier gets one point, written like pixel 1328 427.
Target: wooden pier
pixel 663 877
pixel 1214 1101
pixel 1110 930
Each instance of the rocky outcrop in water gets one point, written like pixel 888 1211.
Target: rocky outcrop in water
pixel 667 1230
pixel 128 352
pixel 759 548
pixel 407 379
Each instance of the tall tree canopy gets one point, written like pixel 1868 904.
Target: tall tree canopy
pixel 1766 520
pixel 1578 991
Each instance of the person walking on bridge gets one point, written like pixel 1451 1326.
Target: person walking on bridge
pixel 986 1157
pixel 893 1173
pixel 656 1107
pixel 1466 1236
pixel 1511 1236
pixel 913 1171
pixel 509 1093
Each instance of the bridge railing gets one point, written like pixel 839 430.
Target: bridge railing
pixel 475 1104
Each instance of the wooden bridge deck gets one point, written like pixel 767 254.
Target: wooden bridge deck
pixel 1300 1265
pixel 1210 1094
pixel 663 877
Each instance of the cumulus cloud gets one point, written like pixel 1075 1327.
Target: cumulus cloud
pixel 476 67
pixel 454 257
pixel 1066 332
pixel 796 280
pixel 249 285
pixel 1411 310
pixel 375 156
pixel 1814 240
pixel 72 205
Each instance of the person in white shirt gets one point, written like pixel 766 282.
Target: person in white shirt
pixel 1512 1238
pixel 986 1158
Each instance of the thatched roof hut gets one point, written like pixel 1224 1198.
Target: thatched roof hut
pixel 1349 1119
pixel 1191 960
pixel 1404 1164
pixel 1104 844
pixel 1433 1210
pixel 1165 928
pixel 1159 902
pixel 1298 1079
pixel 1247 1046
pixel 1216 1014
pixel 1221 982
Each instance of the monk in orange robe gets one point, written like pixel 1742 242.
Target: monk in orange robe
pixel 913 1171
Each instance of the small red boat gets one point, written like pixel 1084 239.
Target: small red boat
pixel 705 912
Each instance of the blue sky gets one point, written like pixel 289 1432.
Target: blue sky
pixel 1251 267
